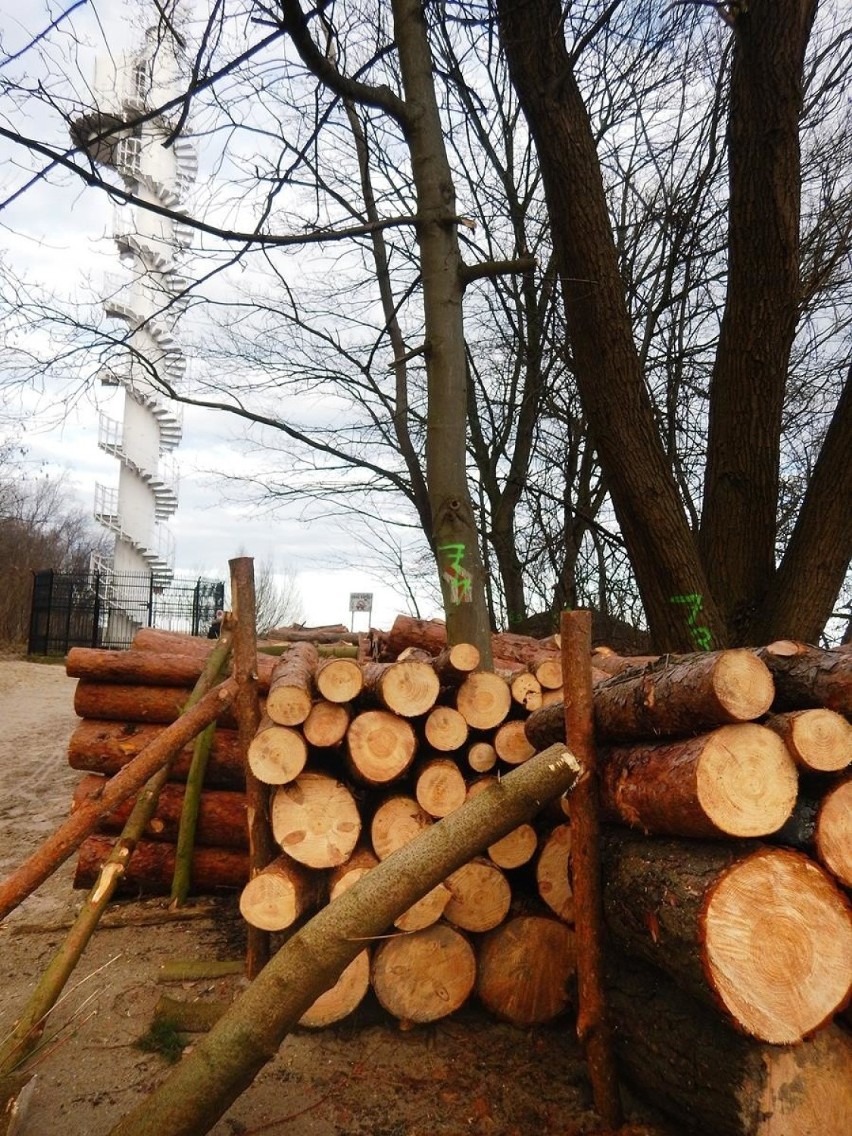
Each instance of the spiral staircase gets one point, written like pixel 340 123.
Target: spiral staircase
pixel 148 296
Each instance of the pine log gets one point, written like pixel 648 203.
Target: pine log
pixel 611 663
pixel 290 690
pixel 426 911
pixel 380 746
pixel 326 725
pixel 680 1057
pixel 822 825
pixel 424 976
pixel 343 998
pixel 106 747
pixel 819 740
pixel 549 673
pixel 765 935
pixel 339 680
pixel 511 744
pixel 151 867
pixel 315 820
pixel 439 787
pixel 146 668
pixel 277 754
pixel 396 821
pixel 453 664
pixel 345 875
pixel 481 757
pixel 173 644
pixel 117 702
pixel 484 700
pixel 525 689
pixel 553 872
pixel 695 692
pixel 807 676
pixel 555 697
pixel 525 968
pixel 445 729
pixel 480 896
pixel 736 781
pixel 516 847
pixel 428 634
pixel 522 648
pixel 409 688
pixel 221 817
pixel 279 894
pixel 326 633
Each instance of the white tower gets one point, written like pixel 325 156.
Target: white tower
pixel 146 295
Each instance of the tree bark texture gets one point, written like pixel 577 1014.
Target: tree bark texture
pixel 806 676
pixel 152 865
pixel 765 935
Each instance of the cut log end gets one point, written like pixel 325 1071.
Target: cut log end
pixel 480 896
pixel 746 781
pixel 833 837
pixel 344 997
pixel 381 746
pixel 819 740
pixel 484 700
pixel 743 685
pixel 424 976
pixel 315 820
pixel 525 970
pixel 778 945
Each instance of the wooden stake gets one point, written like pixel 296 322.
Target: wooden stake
pixel 592 1026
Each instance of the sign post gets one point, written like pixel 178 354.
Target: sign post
pixel 360 602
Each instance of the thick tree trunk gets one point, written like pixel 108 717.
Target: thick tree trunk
pixel 710 1079
pixel 455 541
pixel 152 865
pixel 738 523
pixel 526 967
pixel 221 816
pixel 675 593
pixel 106 747
pixel 737 781
pixel 765 935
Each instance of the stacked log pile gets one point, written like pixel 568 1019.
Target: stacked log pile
pixel 724 777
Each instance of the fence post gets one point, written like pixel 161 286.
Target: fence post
pixel 96 613
pixel 151 599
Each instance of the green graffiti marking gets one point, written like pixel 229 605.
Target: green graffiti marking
pixel 698 633
pixel 457 577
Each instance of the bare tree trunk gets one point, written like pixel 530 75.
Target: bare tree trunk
pixel 455 540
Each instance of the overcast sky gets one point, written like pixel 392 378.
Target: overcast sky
pixel 60 236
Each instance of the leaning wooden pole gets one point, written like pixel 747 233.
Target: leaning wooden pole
pixel 262 849
pixel 221 1066
pixel 69 836
pixel 592 1025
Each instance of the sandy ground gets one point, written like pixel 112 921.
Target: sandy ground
pixel 467 1074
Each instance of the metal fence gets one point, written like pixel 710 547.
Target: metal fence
pixel 105 609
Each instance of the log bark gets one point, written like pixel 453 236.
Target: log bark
pixel 694 692
pixel 116 702
pixel 130 780
pixel 807 676
pixel 819 740
pixel 280 893
pixel 409 688
pixel 290 694
pixel 764 935
pixel 343 998
pixel 553 872
pixel 315 820
pixel 680 1057
pixel 326 725
pixel 135 667
pixel 380 746
pixel 428 634
pixel 151 867
pixel 224 1063
pixel 424 976
pixel 445 729
pixel 276 754
pixel 221 817
pixel 736 781
pixel 339 680
pixel 484 700
pixel 440 787
pixel 169 644
pixel 526 968
pixel 106 747
pixel 480 896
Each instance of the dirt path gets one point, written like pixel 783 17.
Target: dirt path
pixel 468 1074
